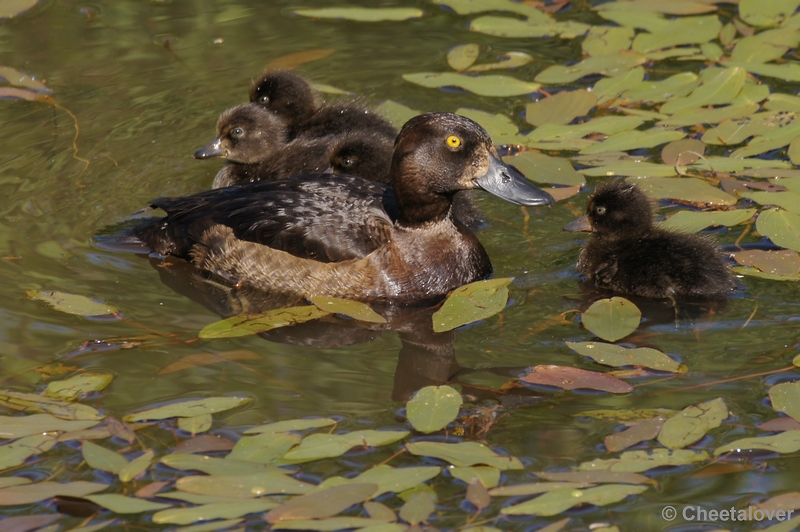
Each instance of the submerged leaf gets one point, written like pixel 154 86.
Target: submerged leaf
pixel 39 403
pixel 492 85
pixel 362 14
pixel 433 407
pixel 639 432
pixel 418 508
pixel 71 303
pixel 472 302
pixel 612 319
pixel 569 378
pixel 257 323
pixel 353 309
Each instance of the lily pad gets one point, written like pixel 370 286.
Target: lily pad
pixel 472 302
pixel 489 476
pixel 683 152
pixel 318 446
pixel 71 303
pixel 694 221
pixel 78 385
pixel 387 478
pixel 507 60
pixel 618 356
pixel 362 14
pixel 244 486
pixel 15 453
pixel 783 262
pixel 397 113
pixel 569 378
pixel 687 189
pixel 291 425
pixel 606 65
pixel 640 461
pixel 257 323
pixel 463 56
pixel 226 510
pixel 558 501
pixel 785 442
pixel 607 89
pixel 433 407
pixel 464 454
pixel 120 504
pixel 12 427
pixel 491 85
pixel 209 405
pixel 771 13
pixel 692 423
pixel 561 108
pixel 40 491
pixel 634 140
pixel 39 403
pixel 675 86
pixel 780 226
pixel 353 309
pixel 637 433
pixel 542 168
pixel 607 40
pixel 98 457
pixel 612 319
pixel 12 8
pixel 785 398
pixel 322 504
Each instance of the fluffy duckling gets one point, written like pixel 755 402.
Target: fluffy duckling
pixel 248 136
pixel 313 235
pixel 291 98
pixel 626 254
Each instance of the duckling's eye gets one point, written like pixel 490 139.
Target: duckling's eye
pixel 453 142
pixel 347 162
pixel 600 210
pixel 237 132
pixel 264 100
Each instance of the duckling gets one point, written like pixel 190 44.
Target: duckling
pixel 626 254
pixel 248 136
pixel 290 97
pixel 313 235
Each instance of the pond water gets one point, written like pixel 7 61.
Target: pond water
pixel 138 87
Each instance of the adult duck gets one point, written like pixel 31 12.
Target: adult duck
pixel 313 235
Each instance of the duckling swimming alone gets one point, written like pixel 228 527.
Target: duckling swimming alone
pixel 626 254
pixel 290 97
pixel 314 235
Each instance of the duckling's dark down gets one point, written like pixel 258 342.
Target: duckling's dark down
pixel 627 255
pixel 290 97
pixel 313 235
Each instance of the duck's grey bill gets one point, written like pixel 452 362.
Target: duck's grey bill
pixel 213 149
pixel 508 183
pixel 581 225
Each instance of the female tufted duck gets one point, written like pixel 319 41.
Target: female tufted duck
pixel 338 237
pixel 626 254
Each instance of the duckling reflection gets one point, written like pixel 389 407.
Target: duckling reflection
pixel 626 254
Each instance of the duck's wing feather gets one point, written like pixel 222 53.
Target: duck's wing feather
pixel 323 217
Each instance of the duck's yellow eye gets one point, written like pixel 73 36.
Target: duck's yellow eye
pixel 453 142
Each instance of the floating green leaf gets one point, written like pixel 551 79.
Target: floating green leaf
pixel 694 221
pixel 227 510
pixel 515 28
pixel 472 302
pixel 561 108
pixel 292 424
pixel 782 102
pixel 317 446
pixel 618 356
pixel 464 454
pixel 340 523
pixel 362 14
pixel 692 423
pixel 634 140
pixel 784 262
pixel 468 7
pixel 433 407
pixel 784 71
pixel 770 13
pixel 321 504
pixel 265 321
pixel 780 226
pixel 542 168
pixel 243 486
pixel 12 8
pixel 535 488
pixel 196 424
pixel 639 461
pixel 40 491
pixel 556 502
pixel 463 56
pixel 675 86
pixel 78 385
pixel 263 448
pixel 673 7
pixel 785 442
pixel 765 46
pixel 607 40
pixel 418 508
pixel 217 466
pixel 12 427
pixel 500 127
pixel 197 407
pixel 607 125
pixel 15 453
pixel 136 467
pixel 612 319
pixel 387 478
pixel 698 115
pixel 606 65
pixel 353 309
pixel 489 476
pixel 631 168
pixel 120 504
pixel 785 398
pixel 607 89
pixel 98 457
pixel 683 152
pixel 39 403
pixel 688 30
pixel 687 189
pixel 507 60
pixel 570 378
pixel 378 510
pixel 491 85
pixel 639 432
pixel 787 200
pixel 71 303
pixel 728 164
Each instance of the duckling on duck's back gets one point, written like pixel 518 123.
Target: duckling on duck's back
pixel 315 235
pixel 291 98
pixel 626 254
